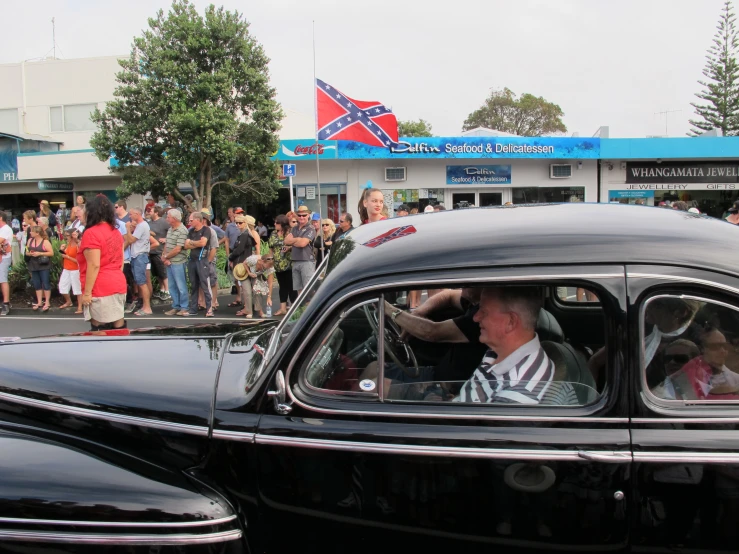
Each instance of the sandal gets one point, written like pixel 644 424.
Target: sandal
pixel 209 313
pixel 35 306
pixel 142 313
pixel 45 308
pixel 234 304
pixel 65 305
pixel 241 312
pixel 79 313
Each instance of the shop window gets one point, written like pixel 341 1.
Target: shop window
pixel 540 195
pixel 690 349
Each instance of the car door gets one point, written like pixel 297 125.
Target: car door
pixel 686 414
pixel 347 470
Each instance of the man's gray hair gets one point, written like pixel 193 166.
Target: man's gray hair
pixel 197 215
pixel 137 210
pixel 526 302
pixel 174 213
pixel 43 221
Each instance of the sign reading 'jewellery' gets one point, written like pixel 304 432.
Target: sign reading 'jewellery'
pixel 478 175
pixel 683 172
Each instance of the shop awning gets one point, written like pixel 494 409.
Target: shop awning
pixel 26 136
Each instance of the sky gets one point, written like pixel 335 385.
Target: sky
pixel 605 63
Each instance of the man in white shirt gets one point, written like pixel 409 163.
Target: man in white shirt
pixel 6 244
pixel 138 237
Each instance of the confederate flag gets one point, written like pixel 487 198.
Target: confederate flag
pixel 342 118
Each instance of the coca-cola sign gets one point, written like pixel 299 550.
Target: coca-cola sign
pixel 295 149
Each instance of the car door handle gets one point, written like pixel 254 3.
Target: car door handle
pixel 606 457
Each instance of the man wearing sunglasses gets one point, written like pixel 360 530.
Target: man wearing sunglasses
pixel 345 225
pixel 301 239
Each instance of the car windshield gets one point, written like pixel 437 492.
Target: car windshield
pixel 298 308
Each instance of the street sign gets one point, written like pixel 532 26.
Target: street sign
pixel 288 170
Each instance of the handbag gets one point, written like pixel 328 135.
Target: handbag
pixel 43 260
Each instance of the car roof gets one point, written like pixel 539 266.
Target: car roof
pixel 538 234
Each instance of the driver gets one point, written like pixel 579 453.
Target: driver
pixel 462 333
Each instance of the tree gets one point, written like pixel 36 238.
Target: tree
pixel 420 128
pixel 721 87
pixel 528 116
pixel 194 105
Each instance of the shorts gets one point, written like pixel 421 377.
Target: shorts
pixel 212 275
pixel 158 269
pixel 70 279
pixel 138 266
pixel 4 268
pixel 302 272
pixel 105 309
pixel 40 279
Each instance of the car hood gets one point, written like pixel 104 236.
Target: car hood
pixel 158 377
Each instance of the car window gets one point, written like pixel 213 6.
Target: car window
pixel 348 352
pixel 689 349
pixel 575 295
pixel 434 350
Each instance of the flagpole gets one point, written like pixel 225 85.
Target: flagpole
pixel 315 111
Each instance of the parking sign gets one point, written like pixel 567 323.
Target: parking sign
pixel 288 170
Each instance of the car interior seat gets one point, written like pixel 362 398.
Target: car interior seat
pixel 548 328
pixel 571 366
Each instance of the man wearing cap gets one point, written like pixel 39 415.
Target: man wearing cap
pixel 301 239
pixel 402 210
pixel 212 252
pixel 175 258
pixel 138 238
pixel 158 228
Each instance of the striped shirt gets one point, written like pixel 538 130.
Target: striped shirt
pixel 522 378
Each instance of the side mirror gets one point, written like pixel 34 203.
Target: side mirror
pixel 279 395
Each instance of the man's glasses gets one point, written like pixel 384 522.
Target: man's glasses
pixel 302 215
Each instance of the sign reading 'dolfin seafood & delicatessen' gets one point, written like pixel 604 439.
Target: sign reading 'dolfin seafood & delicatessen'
pixel 681 172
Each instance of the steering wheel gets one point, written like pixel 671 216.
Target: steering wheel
pixel 392 341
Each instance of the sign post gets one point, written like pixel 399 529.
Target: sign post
pixel 288 170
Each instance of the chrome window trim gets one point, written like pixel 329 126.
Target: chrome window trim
pixel 433 283
pixel 681 279
pixel 26 521
pixel 654 403
pixel 107 416
pixel 328 392
pixel 684 420
pixel 118 539
pixel 241 436
pixel 444 451
pixel 687 457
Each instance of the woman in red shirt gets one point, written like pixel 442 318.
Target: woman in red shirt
pixel 100 258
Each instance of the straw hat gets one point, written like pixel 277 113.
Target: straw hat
pixel 240 272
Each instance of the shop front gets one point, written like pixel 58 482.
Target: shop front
pixel 711 186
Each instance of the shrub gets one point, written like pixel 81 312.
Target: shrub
pixel 19 275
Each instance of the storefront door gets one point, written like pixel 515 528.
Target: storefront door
pixel 479 198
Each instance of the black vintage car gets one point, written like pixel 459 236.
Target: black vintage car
pixel 276 437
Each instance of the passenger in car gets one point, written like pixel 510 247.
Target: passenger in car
pixel 704 377
pixel 515 369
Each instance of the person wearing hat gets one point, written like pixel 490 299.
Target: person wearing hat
pixel 198 268
pixel 301 238
pixel 174 257
pixel 428 209
pixel 734 214
pixel 402 210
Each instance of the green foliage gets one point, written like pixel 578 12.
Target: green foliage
pixel 19 275
pixel 527 116
pixel 193 104
pixel 420 128
pixel 720 109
